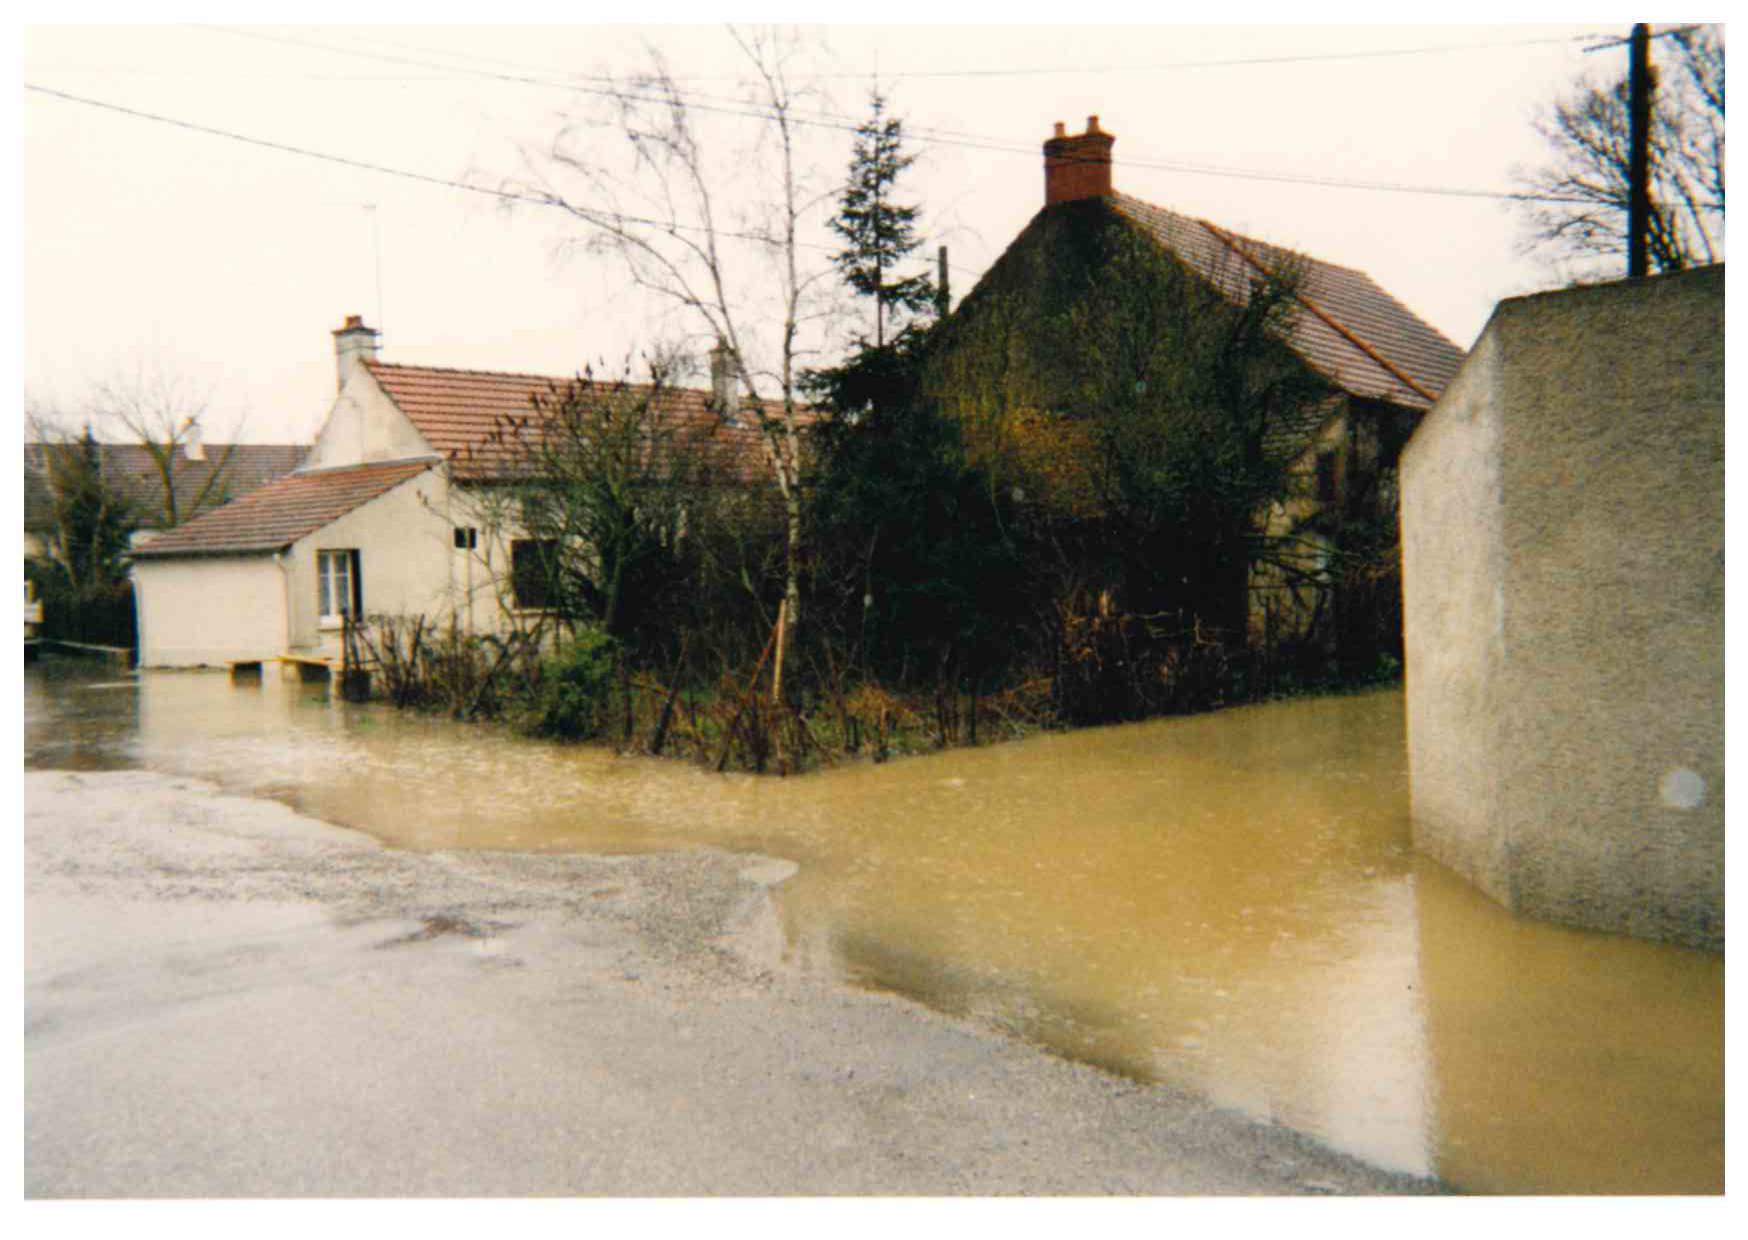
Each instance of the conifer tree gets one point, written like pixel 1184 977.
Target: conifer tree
pixel 879 233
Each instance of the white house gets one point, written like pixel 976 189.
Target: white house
pixel 391 512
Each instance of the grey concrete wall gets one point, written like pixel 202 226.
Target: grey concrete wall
pixel 1563 564
pixel 1453 621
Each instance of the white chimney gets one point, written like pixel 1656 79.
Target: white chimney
pixel 353 343
pixel 724 380
pixel 192 447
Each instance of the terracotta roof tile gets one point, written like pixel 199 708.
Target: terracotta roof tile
pixel 1350 330
pixel 474 418
pixel 283 511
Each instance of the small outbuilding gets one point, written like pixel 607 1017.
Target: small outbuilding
pixel 274 572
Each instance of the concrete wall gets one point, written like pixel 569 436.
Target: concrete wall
pixel 209 610
pixel 1563 541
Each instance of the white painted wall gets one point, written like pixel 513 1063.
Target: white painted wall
pixel 404 544
pixel 210 610
pixel 365 425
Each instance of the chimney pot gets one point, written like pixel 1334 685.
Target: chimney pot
pixel 1079 165
pixel 353 343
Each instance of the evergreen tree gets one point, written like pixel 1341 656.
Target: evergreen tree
pixel 878 233
pixel 92 522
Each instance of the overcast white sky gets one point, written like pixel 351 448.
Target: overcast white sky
pixel 228 264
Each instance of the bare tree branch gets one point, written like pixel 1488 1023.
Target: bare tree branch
pixel 1589 139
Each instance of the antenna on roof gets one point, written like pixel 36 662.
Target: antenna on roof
pixel 376 240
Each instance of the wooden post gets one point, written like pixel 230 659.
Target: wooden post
pixel 782 640
pixel 745 697
pixel 1639 84
pixel 777 686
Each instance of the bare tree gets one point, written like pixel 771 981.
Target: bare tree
pixel 161 412
pixel 1576 204
pixel 731 281
pixel 601 475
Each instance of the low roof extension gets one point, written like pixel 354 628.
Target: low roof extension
pixel 283 511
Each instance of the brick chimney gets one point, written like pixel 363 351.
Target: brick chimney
pixel 1077 166
pixel 353 343
pixel 724 380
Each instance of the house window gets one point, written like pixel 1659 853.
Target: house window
pixel 533 565
pixel 466 538
pixel 338 589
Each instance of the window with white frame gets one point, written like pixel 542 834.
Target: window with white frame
pixel 338 591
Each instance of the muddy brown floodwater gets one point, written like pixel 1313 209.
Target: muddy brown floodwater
pixel 1229 903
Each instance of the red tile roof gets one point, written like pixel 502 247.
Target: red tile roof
pixel 476 418
pixel 1351 331
pixel 283 511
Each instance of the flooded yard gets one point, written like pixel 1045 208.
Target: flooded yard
pixel 1228 903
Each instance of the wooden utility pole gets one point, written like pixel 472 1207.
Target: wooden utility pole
pixel 1639 85
pixel 943 298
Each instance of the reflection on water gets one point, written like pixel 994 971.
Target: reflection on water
pixel 1229 903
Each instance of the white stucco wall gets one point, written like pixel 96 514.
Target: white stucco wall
pixel 409 563
pixel 209 611
pixel 404 544
pixel 364 425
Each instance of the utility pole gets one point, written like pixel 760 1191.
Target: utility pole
pixel 1639 86
pixel 943 298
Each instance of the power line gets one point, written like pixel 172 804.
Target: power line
pixel 425 178
pixel 537 200
pixel 367 166
pixel 1232 63
pixel 1665 33
pixel 957 138
pixel 1042 70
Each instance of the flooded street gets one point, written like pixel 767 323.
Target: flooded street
pixel 1227 903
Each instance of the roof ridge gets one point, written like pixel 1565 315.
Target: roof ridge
pixel 703 392
pixel 1304 299
pixel 1273 245
pixel 375 364
pixel 525 374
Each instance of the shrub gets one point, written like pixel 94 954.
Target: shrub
pixel 576 688
pixel 100 612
